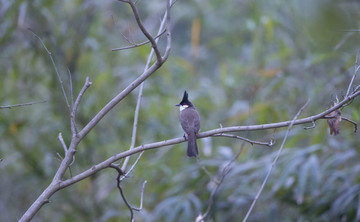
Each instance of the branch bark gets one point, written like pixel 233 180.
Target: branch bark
pixel 55 185
pixel 106 163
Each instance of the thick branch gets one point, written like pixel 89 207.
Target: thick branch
pixel 213 132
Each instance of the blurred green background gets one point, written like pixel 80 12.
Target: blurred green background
pixel 242 62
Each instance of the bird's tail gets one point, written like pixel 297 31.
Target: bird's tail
pixel 192 150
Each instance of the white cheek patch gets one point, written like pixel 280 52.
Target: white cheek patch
pixel 182 107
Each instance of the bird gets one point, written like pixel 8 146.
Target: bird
pixel 190 122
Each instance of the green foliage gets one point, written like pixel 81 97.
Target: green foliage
pixel 255 62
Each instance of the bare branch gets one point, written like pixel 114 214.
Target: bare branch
pixel 141 197
pixel 81 94
pixel 252 142
pixel 143 29
pixel 57 182
pixel 121 173
pixel 275 160
pixel 71 89
pixel 63 143
pixel 21 104
pixel 147 73
pixel 133 166
pixel 357 67
pixel 310 127
pixel 134 45
pixel 168 32
pixel 226 169
pixel 138 103
pixel 55 68
pixel 116 157
pixel 136 117
pixel 87 84
pixel 352 122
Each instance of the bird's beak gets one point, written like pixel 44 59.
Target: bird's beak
pixel 177 105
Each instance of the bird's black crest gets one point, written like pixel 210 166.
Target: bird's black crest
pixel 185 100
pixel 185 97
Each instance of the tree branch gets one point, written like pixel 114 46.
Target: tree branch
pixel 21 104
pixel 146 74
pixel 134 45
pixel 55 68
pixel 55 185
pixel 116 157
pixel 275 160
pixel 225 171
pixel 138 103
pixel 252 142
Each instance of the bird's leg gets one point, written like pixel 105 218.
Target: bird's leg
pixel 186 136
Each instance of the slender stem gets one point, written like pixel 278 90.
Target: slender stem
pixel 21 104
pixel 275 160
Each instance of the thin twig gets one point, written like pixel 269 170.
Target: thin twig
pixel 141 197
pixel 310 127
pixel 357 67
pixel 136 117
pixel 143 29
pixel 121 173
pixel 132 167
pixel 82 91
pixel 71 89
pixel 75 106
pixel 138 103
pixel 56 70
pixel 226 169
pixel 351 121
pixel 252 142
pixel 134 45
pixel 206 171
pixel 132 85
pixel 356 89
pixel 275 160
pixel 60 138
pixel 21 104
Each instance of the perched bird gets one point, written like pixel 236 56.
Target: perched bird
pixel 190 122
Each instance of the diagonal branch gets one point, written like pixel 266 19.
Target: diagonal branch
pixel 275 160
pixel 146 74
pixel 357 67
pixel 55 68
